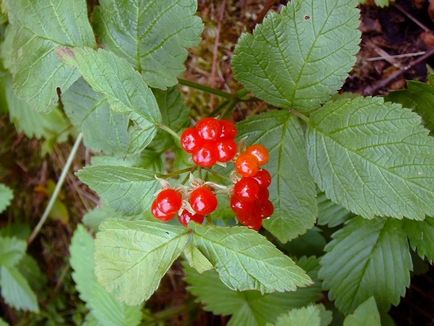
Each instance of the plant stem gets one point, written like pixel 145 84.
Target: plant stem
pixel 170 131
pixel 299 115
pixel 57 189
pixel 206 89
pixel 176 173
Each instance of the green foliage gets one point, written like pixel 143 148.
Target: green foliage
pixel 379 3
pixel 245 260
pixel 11 251
pixel 365 314
pixel 6 196
pixel 373 158
pixel 132 256
pixel 367 258
pixel 126 189
pixel 104 307
pixel 419 97
pixel 301 56
pixel 292 190
pixel 152 35
pixel 329 213
pixel 421 237
pixel 36 30
pixel 248 307
pixel 310 315
pixel 122 87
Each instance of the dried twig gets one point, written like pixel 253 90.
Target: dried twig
pixel 412 18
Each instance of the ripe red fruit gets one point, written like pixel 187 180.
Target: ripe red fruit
pixel 159 214
pixel 263 194
pixel 203 200
pixel 241 206
pixel 209 128
pixel 206 156
pixel 247 165
pixel 247 188
pixel 227 149
pixel 266 209
pixel 260 152
pixel 167 204
pixel 253 221
pixel 263 177
pixel 185 217
pixel 229 130
pixel 190 140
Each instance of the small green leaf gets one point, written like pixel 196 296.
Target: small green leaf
pixel 367 258
pixel 301 56
pixel 419 97
pixel 132 256
pixel 152 35
pixel 373 158
pixel 310 315
pixel 106 309
pixel 245 260
pixel 16 291
pixel 6 196
pixel 365 314
pixel 37 29
pixel 196 259
pixel 126 189
pixel 379 3
pixel 329 213
pixel 3 323
pixel 121 86
pixel 421 236
pixel 11 251
pixel 293 190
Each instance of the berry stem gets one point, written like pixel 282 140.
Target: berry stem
pixel 169 131
pixel 176 173
pixel 206 89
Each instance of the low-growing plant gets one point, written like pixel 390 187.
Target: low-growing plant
pixel 316 163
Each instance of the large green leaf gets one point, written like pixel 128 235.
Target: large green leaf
pixel 126 189
pixel 301 56
pixel 419 97
pixel 16 291
pixel 292 191
pixel 132 256
pixel 37 29
pixel 373 158
pixel 365 314
pixel 367 258
pixel 330 213
pixel 11 251
pixel 6 196
pixel 245 260
pixel 151 35
pixel 421 236
pixel 248 307
pixel 106 309
pixel 122 87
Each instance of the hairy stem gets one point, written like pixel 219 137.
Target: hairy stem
pixel 57 189
pixel 170 131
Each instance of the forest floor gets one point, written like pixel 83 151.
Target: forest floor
pixel 394 39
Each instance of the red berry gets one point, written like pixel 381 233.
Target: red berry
pixel 168 202
pixel 209 128
pixel 260 152
pixel 241 206
pixel 263 177
pixel 203 200
pixel 159 214
pixel 227 149
pixel 263 194
pixel 247 165
pixel 185 217
pixel 229 130
pixel 252 221
pixel 266 209
pixel 190 140
pixel 206 156
pixel 247 188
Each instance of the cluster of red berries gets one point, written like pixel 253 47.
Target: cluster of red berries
pixel 169 202
pixel 210 141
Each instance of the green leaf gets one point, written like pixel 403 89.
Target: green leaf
pixel 11 251
pixel 329 213
pixel 245 260
pixel 125 189
pixel 365 314
pixel 106 309
pixel 373 158
pixel 16 291
pixel 421 236
pixel 301 56
pixel 310 315
pixel 293 190
pixel 367 258
pixel 419 97
pixel 6 196
pixel 379 3
pixel 196 259
pixel 152 35
pixel 29 268
pixel 132 256
pixel 3 323
pixel 122 87
pixel 37 29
